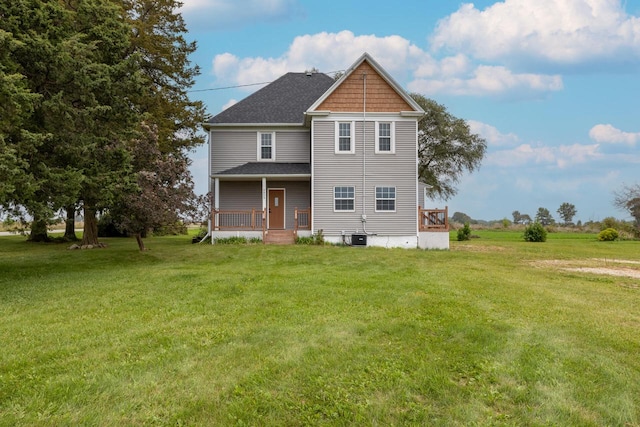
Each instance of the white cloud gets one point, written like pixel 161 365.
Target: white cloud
pixel 491 134
pixel 492 81
pixel 529 31
pixel 335 51
pixel 325 51
pixel 561 156
pixel 609 134
pixel 225 14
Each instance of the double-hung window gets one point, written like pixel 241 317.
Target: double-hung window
pixel 385 199
pixel 344 199
pixel 266 146
pixel 385 141
pixel 344 137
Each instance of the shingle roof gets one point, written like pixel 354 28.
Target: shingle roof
pixel 283 101
pixel 269 168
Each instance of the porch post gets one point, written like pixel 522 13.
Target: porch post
pixel 264 207
pixel 216 202
pixel 264 193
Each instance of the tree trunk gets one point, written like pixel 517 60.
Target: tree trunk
pixel 39 231
pixel 70 224
pixel 90 235
pixel 140 242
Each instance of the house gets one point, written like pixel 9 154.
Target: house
pixel 309 154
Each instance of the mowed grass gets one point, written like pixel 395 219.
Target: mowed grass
pixel 492 332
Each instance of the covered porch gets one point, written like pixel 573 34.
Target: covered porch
pixel 267 201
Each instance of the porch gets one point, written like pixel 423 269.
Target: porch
pixel 253 223
pixel 433 228
pixel 260 200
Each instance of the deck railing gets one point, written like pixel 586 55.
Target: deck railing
pixel 433 219
pixel 301 219
pixel 239 220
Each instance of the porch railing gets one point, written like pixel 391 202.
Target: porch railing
pixel 239 220
pixel 301 219
pixel 433 219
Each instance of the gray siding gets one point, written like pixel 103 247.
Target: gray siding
pixel 293 147
pixel 391 170
pixel 240 195
pixel 247 195
pixel 234 148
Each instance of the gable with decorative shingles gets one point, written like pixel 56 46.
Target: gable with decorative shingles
pixel 381 97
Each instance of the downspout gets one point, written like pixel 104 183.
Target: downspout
pixel 364 145
pixel 363 218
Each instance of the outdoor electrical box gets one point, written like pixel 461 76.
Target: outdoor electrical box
pixel 358 240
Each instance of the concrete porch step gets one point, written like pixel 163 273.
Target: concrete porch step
pixel 279 237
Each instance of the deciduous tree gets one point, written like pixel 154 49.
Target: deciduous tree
pixel 163 190
pixel 567 211
pixel 628 200
pixel 446 149
pixel 543 216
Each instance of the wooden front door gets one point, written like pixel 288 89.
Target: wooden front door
pixel 276 209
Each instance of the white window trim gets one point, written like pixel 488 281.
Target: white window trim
pixel 393 137
pixel 333 197
pixel 395 199
pixel 352 144
pixel 273 147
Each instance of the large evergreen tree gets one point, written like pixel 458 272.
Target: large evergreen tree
pixel 17 102
pixel 158 34
pixel 95 70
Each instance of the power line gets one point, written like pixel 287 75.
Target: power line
pixel 246 85
pixel 228 87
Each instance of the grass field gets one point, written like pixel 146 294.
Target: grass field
pixel 495 331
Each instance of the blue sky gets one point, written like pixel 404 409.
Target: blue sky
pixel 552 85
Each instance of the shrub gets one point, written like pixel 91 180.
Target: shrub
pixel 316 239
pixel 464 233
pixel 608 235
pixel 235 240
pixel 535 233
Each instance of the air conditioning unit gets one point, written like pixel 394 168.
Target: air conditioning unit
pixel 358 240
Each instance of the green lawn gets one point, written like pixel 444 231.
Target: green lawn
pixel 495 331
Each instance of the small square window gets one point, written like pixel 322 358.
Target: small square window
pixel 344 198
pixel 386 199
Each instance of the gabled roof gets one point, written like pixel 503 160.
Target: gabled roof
pixel 282 101
pixel 416 109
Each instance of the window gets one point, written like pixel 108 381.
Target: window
pixel 385 141
pixel 266 146
pixel 344 199
pixel 344 137
pixel 386 199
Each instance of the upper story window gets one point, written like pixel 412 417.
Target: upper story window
pixel 385 141
pixel 344 137
pixel 266 146
pixel 344 199
pixel 386 199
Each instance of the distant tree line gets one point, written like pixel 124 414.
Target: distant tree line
pixel 626 199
